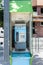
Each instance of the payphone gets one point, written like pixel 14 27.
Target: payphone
pixel 20 36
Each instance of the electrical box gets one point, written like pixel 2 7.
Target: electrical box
pixel 20 36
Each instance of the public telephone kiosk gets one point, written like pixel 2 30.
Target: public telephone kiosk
pixel 20 36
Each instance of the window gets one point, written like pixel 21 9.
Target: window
pixel 42 10
pixel 41 23
pixel 33 24
pixel 33 27
pixel 34 9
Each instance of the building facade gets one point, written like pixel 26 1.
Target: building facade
pixel 37 18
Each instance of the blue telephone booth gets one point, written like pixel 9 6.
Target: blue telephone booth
pixel 20 36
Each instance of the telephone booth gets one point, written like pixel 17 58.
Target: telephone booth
pixel 17 29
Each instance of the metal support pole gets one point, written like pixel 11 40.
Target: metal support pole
pixel 6 32
pixel 31 43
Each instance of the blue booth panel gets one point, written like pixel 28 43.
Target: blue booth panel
pixel 20 36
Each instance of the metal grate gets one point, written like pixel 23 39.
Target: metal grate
pixel 37 44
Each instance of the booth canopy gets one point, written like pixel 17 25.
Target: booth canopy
pixel 20 6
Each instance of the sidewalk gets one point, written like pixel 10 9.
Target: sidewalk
pixel 38 59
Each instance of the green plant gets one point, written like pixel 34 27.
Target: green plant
pixel 31 59
pixel 10 60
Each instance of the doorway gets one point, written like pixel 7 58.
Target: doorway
pixel 24 33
